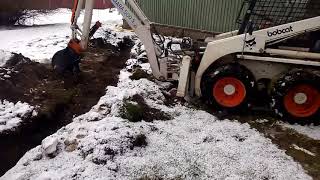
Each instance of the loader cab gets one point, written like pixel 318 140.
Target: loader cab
pixel 276 49
pixel 262 14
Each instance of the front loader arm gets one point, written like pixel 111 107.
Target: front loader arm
pixel 141 26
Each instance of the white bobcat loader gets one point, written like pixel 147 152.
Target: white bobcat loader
pixel 275 53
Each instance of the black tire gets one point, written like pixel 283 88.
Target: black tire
pixel 234 70
pixel 282 87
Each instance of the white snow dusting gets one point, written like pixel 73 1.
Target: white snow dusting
pixel 311 131
pixel 193 145
pixel 49 145
pixel 12 114
pixel 4 57
pixel 49 33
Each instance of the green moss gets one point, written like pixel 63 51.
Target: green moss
pixel 135 109
pixel 132 112
pixel 139 74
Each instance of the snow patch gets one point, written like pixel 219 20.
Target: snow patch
pixel 62 16
pixel 49 145
pixel 311 131
pixel 4 57
pixel 49 33
pixel 193 145
pixel 261 121
pixel 114 37
pixel 12 114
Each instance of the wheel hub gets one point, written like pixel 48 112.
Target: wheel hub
pixel 300 98
pixel 229 89
pixel 229 92
pixel 302 101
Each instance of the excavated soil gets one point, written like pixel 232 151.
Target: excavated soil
pixel 58 99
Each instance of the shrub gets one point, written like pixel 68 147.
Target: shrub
pixel 12 13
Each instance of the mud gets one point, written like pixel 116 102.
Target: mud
pixel 57 99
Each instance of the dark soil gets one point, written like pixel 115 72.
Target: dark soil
pixel 139 141
pixel 58 99
pixel 140 74
pixel 135 109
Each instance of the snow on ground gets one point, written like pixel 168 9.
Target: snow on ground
pixel 311 131
pixel 46 34
pixel 63 16
pixel 4 57
pixel 193 145
pixel 12 114
pixel 6 73
pixel 102 145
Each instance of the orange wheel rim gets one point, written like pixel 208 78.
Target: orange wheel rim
pixel 229 92
pixel 302 101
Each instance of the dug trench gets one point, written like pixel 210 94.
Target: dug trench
pixel 56 99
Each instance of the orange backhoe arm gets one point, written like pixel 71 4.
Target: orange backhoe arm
pixel 74 9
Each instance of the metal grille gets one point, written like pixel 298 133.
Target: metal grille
pixel 209 15
pixel 267 13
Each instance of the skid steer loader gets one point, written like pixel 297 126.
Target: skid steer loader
pixel 275 50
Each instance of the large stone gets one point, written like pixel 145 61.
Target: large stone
pixel 49 145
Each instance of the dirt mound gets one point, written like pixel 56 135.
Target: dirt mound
pixel 136 109
pixel 57 99
pixel 19 76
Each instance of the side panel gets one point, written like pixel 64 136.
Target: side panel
pixel 237 44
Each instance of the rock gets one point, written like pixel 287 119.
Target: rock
pixel 49 145
pixel 80 136
pixel 70 145
pixel 38 157
pixel 173 92
pixel 114 128
pixel 139 141
pixel 26 163
pixel 139 74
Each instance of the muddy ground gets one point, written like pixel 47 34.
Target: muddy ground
pixel 57 99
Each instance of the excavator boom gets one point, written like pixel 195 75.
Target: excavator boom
pixel 137 21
